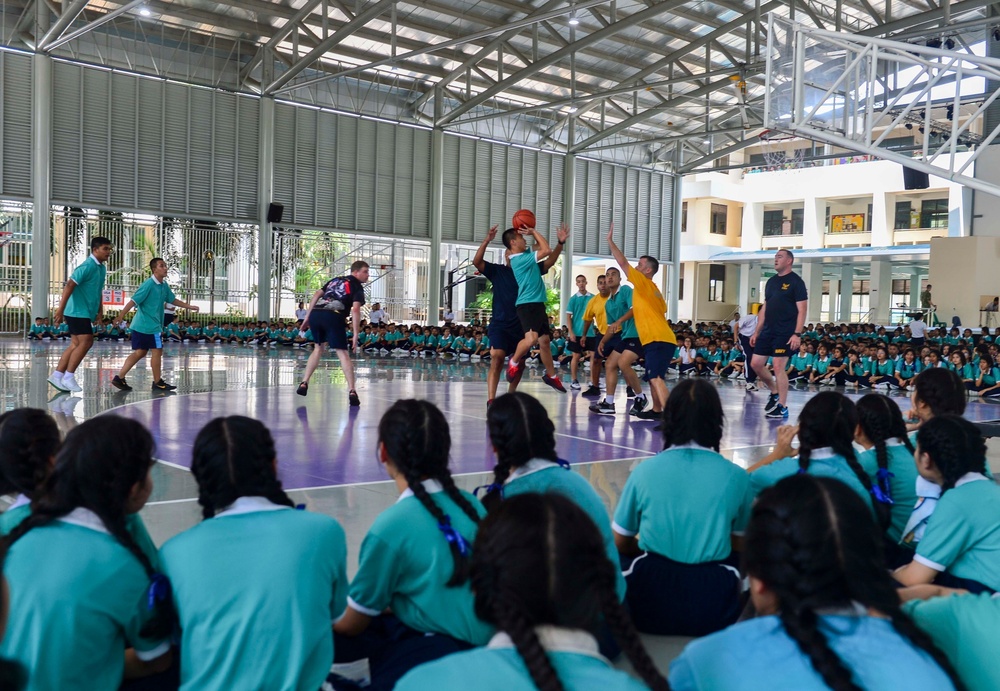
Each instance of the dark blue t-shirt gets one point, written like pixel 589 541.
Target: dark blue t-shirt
pixel 504 293
pixel 780 297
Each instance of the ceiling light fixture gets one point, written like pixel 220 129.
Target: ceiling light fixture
pixel 145 12
pixel 573 21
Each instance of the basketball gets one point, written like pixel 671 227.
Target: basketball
pixel 523 218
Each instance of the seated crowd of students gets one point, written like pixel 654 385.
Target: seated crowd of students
pixel 782 570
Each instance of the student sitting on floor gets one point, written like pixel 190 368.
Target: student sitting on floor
pixel 89 609
pixel 685 360
pixel 29 440
pixel 883 370
pixel 826 448
pixel 725 368
pixel 829 615
pixel 248 621
pixel 524 441
pixel 540 577
pixel 888 460
pixel 961 545
pixel 413 559
pixel 675 519
pixel 39 330
pixel 820 373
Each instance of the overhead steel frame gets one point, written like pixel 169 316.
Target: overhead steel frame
pixel 849 105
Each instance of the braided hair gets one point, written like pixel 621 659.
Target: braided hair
pixel 416 437
pixel 96 469
pixel 233 457
pixel 520 429
pixel 29 439
pixel 540 560
pixel 829 419
pixel 955 445
pixel 813 545
pixel 881 420
pixel 941 390
pixel 693 413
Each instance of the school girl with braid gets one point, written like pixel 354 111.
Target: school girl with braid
pixel 88 608
pixel 961 545
pixel 414 558
pixel 888 461
pixel 829 613
pixel 541 577
pixel 675 520
pixel 524 441
pixel 826 448
pixel 257 583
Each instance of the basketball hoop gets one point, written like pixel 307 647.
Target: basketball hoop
pixel 6 236
pixel 775 155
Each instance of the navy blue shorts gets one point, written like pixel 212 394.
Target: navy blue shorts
pixel 79 326
pixel 658 357
pixel 141 341
pixel 770 344
pixel 329 327
pixel 505 337
pixel 622 344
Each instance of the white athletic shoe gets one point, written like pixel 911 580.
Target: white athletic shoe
pixel 575 385
pixel 751 387
pixel 57 381
pixel 70 384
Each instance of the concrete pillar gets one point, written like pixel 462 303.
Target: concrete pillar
pixel 753 227
pixel 833 312
pixel 812 275
pixel 883 219
pixel 41 170
pixel 958 217
pixel 437 200
pixel 915 278
pixel 749 287
pixel 880 291
pixel 674 288
pixel 813 222
pixel 846 292
pixel 568 284
pixel 265 192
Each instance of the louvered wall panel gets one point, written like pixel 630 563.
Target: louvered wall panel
pixel 15 124
pixel 124 159
pixel 326 171
pixel 150 135
pixel 96 126
pixel 67 151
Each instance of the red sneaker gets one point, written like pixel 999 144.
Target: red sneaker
pixel 554 382
pixel 514 371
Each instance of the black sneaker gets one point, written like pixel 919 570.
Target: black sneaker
pixel 772 403
pixel 163 386
pixel 779 412
pixel 648 415
pixel 120 384
pixel 353 399
pixel 629 393
pixel 603 408
pixel 638 405
pixel 592 392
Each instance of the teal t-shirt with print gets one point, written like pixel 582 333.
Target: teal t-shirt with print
pixel 824 466
pixel 149 300
pixel 527 273
pixel 85 300
pixel 616 306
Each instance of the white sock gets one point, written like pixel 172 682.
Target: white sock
pixel 609 399
pixel 56 374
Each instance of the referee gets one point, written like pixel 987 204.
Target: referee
pixel 779 331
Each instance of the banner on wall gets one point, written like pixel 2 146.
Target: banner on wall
pixel 113 297
pixel 847 223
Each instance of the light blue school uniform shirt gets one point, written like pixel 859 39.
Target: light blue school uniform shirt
pixel 576 306
pixel 257 589
pixel 78 600
pixel 902 484
pixel 149 299
pixel 15 514
pixel 758 655
pixel 616 306
pixel 85 300
pixel 542 477
pixel 684 503
pixel 405 563
pixel 966 629
pixel 821 364
pixel 823 462
pixel 527 273
pixel 963 533
pixel 499 667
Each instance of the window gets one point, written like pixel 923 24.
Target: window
pixel 798 221
pixel 719 212
pixel 772 223
pixel 680 289
pixel 758 160
pixel 861 287
pixel 721 162
pixel 902 216
pixel 934 213
pixel 716 283
pixel 826 228
pixel 684 217
pixel 897 142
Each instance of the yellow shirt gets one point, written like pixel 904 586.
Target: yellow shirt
pixel 649 307
pixel 595 310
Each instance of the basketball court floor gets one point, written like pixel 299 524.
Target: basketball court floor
pixel 326 450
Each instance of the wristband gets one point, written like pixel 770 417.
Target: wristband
pixel 562 242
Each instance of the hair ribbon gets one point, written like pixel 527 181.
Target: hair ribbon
pixel 490 489
pixel 454 537
pixel 563 463
pixel 158 591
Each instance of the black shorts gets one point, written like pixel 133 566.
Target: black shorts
pixel 504 337
pixel 142 341
pixel 573 347
pixel 79 326
pixel 630 344
pixel 658 357
pixel 329 327
pixel 770 344
pixel 533 318
pixel 592 343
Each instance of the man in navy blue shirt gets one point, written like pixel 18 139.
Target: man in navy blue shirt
pixel 779 330
pixel 505 330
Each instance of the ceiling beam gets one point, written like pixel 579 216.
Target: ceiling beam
pixel 279 35
pixel 55 43
pixel 69 14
